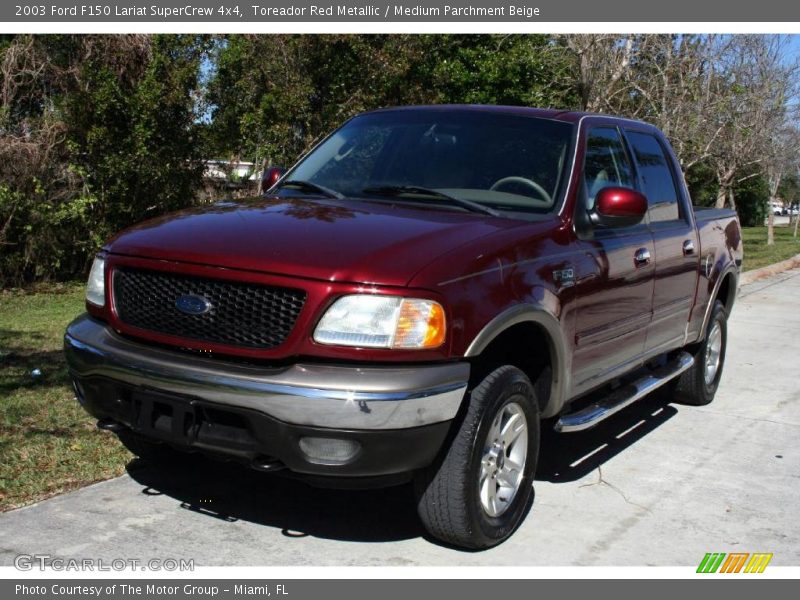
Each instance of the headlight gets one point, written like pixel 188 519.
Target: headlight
pixel 96 286
pixel 382 322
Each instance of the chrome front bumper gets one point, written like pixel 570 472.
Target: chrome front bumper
pixel 343 397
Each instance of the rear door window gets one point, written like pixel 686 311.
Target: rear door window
pixel 658 181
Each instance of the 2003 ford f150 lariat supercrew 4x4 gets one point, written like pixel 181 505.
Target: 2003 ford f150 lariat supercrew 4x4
pixel 414 299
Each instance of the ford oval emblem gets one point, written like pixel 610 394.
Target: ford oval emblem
pixel 191 304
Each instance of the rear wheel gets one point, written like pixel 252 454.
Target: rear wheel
pixel 698 385
pixel 479 492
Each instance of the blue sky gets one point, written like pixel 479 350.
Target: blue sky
pixel 794 45
pixel 793 55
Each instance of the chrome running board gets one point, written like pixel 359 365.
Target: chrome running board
pixel 624 396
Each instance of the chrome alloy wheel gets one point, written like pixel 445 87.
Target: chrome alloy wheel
pixel 503 460
pixel 713 351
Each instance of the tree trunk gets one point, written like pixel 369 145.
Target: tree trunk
pixel 260 190
pixel 721 195
pixel 796 221
pixel 725 181
pixel 774 184
pixel 771 227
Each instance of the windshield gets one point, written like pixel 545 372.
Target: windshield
pixel 501 161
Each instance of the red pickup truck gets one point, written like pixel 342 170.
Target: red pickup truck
pixel 414 300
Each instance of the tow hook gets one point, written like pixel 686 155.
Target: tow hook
pixel 111 425
pixel 267 464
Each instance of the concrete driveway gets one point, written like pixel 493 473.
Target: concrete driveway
pixel 659 484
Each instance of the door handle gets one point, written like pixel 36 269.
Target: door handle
pixel 642 257
pixel 688 247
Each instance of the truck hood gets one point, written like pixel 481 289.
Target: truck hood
pixel 350 241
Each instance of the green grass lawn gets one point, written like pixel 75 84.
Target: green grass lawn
pixel 758 254
pixel 48 444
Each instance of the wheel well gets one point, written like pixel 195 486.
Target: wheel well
pixel 525 346
pixel 727 292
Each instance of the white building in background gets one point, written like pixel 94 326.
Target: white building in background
pixel 222 170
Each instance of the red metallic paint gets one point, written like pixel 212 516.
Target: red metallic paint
pixel 476 266
pixel 327 240
pixel 621 202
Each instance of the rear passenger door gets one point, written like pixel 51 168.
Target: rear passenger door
pixel 674 237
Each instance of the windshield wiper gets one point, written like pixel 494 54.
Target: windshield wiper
pixel 308 186
pixel 399 190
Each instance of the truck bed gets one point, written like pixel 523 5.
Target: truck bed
pixel 709 213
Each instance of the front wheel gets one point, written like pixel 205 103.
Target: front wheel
pixel 698 385
pixel 479 492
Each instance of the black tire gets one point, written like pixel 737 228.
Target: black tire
pixel 691 387
pixel 447 493
pixel 146 450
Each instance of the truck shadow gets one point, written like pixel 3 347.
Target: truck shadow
pixel 229 492
pixel 568 457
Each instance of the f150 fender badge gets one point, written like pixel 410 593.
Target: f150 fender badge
pixel 191 304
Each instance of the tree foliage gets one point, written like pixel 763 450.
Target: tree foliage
pixel 789 190
pixel 750 193
pixel 96 133
pixel 99 132
pixel 273 97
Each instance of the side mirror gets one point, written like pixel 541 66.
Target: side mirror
pixel 271 177
pixel 618 207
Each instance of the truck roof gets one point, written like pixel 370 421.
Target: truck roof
pixel 571 116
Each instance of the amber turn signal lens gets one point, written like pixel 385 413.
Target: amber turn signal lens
pixel 420 324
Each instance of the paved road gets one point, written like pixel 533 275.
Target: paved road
pixel 659 484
